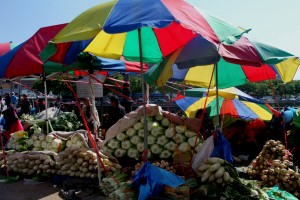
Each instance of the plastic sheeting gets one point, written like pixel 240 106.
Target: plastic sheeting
pixel 151 180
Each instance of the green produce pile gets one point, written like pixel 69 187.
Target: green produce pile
pixel 65 121
pixel 163 138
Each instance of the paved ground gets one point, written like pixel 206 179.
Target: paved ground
pixel 28 190
pixel 22 190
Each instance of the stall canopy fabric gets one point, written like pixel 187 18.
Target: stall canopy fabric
pixel 274 63
pixel 165 25
pixel 24 59
pixel 242 106
pixel 67 54
pixel 228 93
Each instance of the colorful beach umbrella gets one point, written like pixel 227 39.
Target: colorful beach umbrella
pixel 165 26
pixel 68 54
pixel 274 63
pixel 24 59
pixel 238 107
pixel 227 93
pixel 27 58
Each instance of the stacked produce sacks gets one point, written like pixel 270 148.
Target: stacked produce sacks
pixel 274 165
pixel 164 138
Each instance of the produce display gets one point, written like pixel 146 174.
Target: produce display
pixel 33 152
pixel 219 172
pixel 73 161
pixel 274 166
pixel 164 138
pixel 18 141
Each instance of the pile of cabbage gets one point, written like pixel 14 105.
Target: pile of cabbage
pixel 164 138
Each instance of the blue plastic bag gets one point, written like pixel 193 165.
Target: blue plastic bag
pixel 151 180
pixel 222 148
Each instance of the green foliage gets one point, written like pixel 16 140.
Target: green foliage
pixel 57 87
pixel 267 88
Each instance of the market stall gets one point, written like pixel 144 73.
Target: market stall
pixel 170 172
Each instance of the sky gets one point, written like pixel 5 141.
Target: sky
pixel 275 22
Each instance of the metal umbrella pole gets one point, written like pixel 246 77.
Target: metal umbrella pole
pixel 46 102
pixel 145 156
pixel 217 98
pixel 48 124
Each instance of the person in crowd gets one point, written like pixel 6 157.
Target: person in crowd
pixel 36 105
pixel 91 116
pixel 41 104
pixel 12 123
pixel 115 112
pixel 25 105
pixel 242 140
pixel 1 105
pixel 7 100
pixel 14 100
pixel 207 125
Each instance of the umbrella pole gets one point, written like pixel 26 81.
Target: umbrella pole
pixel 217 97
pixel 46 102
pixel 145 154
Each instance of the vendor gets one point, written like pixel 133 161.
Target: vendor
pixel 115 112
pixel 207 125
pixel 242 140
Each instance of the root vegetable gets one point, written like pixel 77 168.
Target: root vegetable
pixel 219 173
pixel 205 176
pixel 214 160
pixel 203 167
pixel 214 167
pixel 226 177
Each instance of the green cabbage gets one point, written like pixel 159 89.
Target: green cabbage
pixel 171 146
pixel 121 137
pixel 180 128
pixel 132 131
pixel 170 132
pixel 165 121
pixel 137 126
pixel 179 138
pixel 157 131
pixel 189 133
pixel 162 140
pixel 184 147
pixel 126 144
pixel 135 139
pixel 165 154
pixel 120 152
pixel 156 149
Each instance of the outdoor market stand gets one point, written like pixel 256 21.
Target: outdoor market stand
pixel 172 137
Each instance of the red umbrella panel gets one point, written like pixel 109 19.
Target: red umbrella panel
pixel 25 58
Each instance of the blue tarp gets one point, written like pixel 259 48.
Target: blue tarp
pixel 151 180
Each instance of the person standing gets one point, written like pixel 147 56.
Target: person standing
pixel 14 100
pixel 25 105
pixel 7 100
pixel 115 112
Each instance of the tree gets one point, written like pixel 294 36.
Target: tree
pixel 56 87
